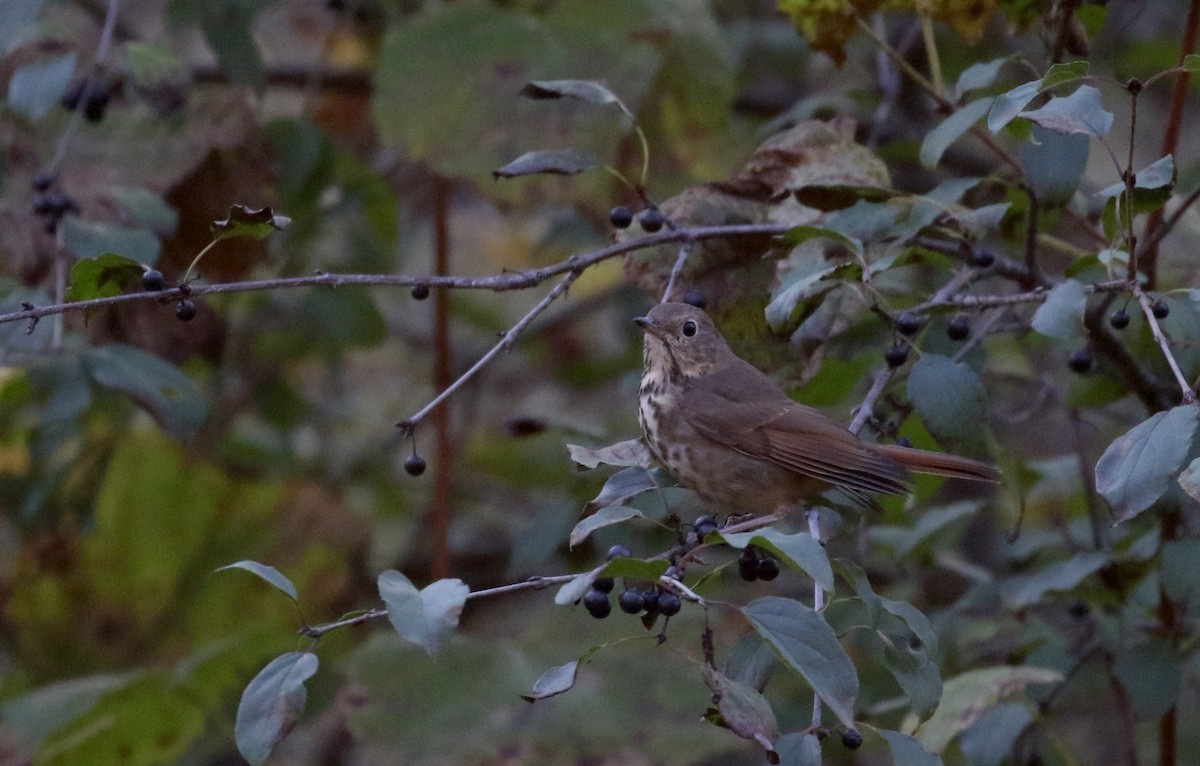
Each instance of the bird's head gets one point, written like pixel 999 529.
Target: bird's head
pixel 681 340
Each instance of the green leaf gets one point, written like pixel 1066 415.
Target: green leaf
pixel 39 713
pixel 146 208
pixel 605 517
pixel 249 222
pixel 87 239
pixel 1191 62
pixel 913 618
pixel 1080 112
pixel 36 88
pixel 798 748
pixel 1064 72
pixel 1152 674
pixel 103 276
pixel 555 681
pixel 635 568
pixel 228 28
pixel 425 617
pixel 930 523
pixel 751 661
pixel 272 703
pixel 1134 472
pixel 160 388
pixel 938 140
pixel 798 284
pixel 590 91
pixel 979 75
pixel 268 573
pixel 968 696
pixel 569 594
pixel 989 740
pixel 949 397
pixel 908 751
pixel 1008 105
pixel 623 485
pixel 829 197
pixel 1028 589
pixel 742 710
pixel 632 452
pixel 1061 314
pixel 1180 575
pixel 1053 164
pixel 799 234
pixel 564 162
pixel 1160 174
pixel 806 644
pixel 800 551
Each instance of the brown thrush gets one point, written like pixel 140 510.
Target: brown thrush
pixel 734 437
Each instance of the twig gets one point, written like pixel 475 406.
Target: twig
pixel 868 403
pixel 814 529
pixel 409 424
pixel 498 283
pixel 675 270
pixel 1031 241
pixel 440 509
pixel 1189 395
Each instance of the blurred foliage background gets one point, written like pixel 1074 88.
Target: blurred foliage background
pixel 138 453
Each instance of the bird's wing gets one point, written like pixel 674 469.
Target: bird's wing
pixel 750 414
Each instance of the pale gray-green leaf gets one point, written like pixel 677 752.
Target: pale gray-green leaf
pixel 1080 112
pixel 1029 589
pixel 938 140
pixel 1133 473
pixel 555 681
pixel 268 573
pixel 272 703
pixel 605 517
pixel 1061 314
pixel 425 617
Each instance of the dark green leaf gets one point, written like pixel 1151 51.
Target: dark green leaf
pixel 157 386
pixel 1053 164
pixel 605 517
pixel 751 661
pixel 968 696
pixel 39 713
pixel 1180 575
pixel 1135 470
pixel 938 140
pixel 915 671
pixel 35 89
pixel 1080 112
pixel 87 239
pixel 1028 589
pixel 907 751
pixel 1007 106
pixel 989 741
pixel 1064 72
pixel 635 568
pixel 1191 62
pixel 798 749
pixel 425 617
pixel 247 222
pixel 798 285
pixel 829 197
pixel 272 703
pixel 801 551
pixel 102 276
pixel 949 397
pixel 798 234
pixel 566 162
pixel 146 208
pixel 1061 314
pixel 1152 186
pixel 632 452
pixel 742 710
pixel 227 26
pixel 1152 674
pixel 267 573
pixel 555 681
pixel 806 644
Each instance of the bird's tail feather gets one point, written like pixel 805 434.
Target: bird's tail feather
pixel 939 463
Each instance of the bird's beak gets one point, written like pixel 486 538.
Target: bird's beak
pixel 649 326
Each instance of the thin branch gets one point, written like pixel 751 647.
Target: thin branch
pixel 680 260
pixel 814 529
pixel 868 403
pixel 498 283
pixel 1189 395
pixel 409 424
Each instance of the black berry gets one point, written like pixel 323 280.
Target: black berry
pixel 597 604
pixel 650 599
pixel 1119 319
pixel 43 181
pixel 42 204
pixel 603 584
pixel 186 310
pixel 903 441
pixel 618 551
pixel 1080 360
pixel 420 292
pixel 959 328
pixel 1078 609
pixel 153 281
pixel 95 103
pixel 669 604
pixel 908 324
pixel 982 258
pixel 72 95
pixel 748 565
pixel 896 355
pixel 414 465
pixel 653 220
pixel 620 217
pixel 631 602
pixel 704 526
pixel 768 569
pixel 852 739
pixel 1160 309
pixel 695 297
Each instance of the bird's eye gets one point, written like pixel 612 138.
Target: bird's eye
pixel 689 328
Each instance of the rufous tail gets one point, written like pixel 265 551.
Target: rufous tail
pixel 939 463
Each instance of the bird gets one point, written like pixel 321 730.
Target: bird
pixel 733 436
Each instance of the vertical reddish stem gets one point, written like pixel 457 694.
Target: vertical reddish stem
pixel 1149 260
pixel 1168 620
pixel 440 510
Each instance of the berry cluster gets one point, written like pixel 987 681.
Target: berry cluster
pixel 652 601
pixel 652 219
pixel 93 91
pixel 755 566
pixel 50 202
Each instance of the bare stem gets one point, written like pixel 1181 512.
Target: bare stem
pixel 814 529
pixel 680 260
pixel 1189 395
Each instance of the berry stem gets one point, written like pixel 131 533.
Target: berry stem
pixel 1189 394
pixel 187 275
